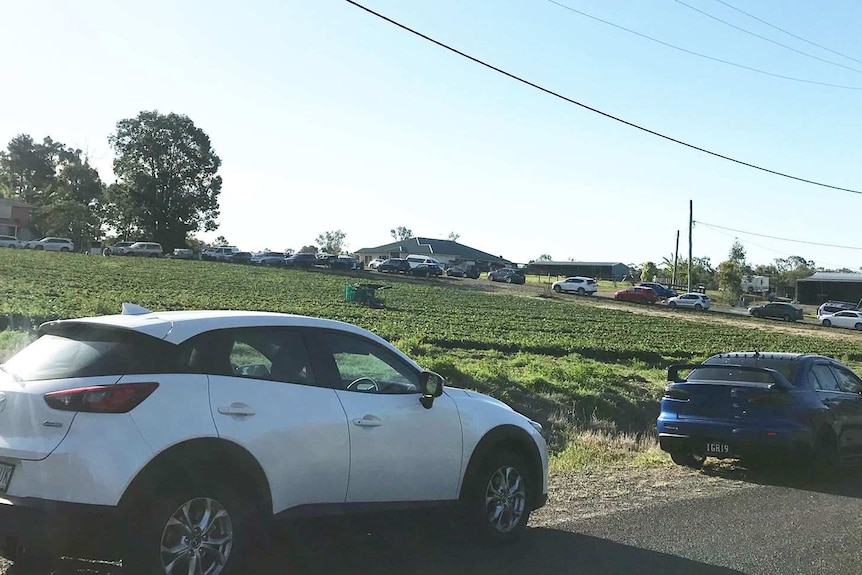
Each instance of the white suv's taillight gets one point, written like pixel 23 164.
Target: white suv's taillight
pixel 120 398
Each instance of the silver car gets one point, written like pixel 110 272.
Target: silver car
pixel 697 301
pixel 9 242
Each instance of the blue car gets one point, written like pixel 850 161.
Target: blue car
pixel 757 406
pixel 661 290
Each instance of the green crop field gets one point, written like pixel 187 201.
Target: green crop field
pixel 564 361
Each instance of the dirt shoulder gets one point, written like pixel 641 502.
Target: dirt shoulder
pixel 587 493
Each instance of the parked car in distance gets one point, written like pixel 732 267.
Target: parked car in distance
pixel 850 319
pixel 576 284
pixel 372 265
pixel 119 248
pixel 464 271
pixel 181 254
pixel 275 259
pixel 832 306
pixel 145 249
pixel 426 270
pixel 394 266
pixel 693 300
pixel 508 275
pixel 777 310
pixel 637 294
pixel 9 242
pixel 661 290
pixel 239 258
pixel 51 244
pixel 342 421
pixel 219 254
pixel 752 406
pixel 302 260
pixel 345 263
pixel 416 260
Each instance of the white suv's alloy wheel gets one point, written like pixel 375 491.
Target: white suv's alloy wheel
pixel 505 499
pixel 197 538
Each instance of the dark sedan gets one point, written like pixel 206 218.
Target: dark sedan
pixel 777 310
pixel 755 406
pixel 300 261
pixel 394 266
pixel 508 275
pixel 661 290
pixel 470 271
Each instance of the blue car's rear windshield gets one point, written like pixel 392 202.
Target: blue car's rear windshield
pixel 785 366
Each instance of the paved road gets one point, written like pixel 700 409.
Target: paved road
pixel 800 527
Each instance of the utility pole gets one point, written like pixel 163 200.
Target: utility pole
pixel 675 260
pixel 690 226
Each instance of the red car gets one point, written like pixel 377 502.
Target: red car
pixel 638 294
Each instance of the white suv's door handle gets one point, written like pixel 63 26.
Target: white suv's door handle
pixel 236 408
pixel 368 421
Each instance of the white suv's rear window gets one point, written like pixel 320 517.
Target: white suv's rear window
pixel 77 350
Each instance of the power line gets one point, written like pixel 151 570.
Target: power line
pixel 778 238
pixel 595 110
pixel 770 40
pixel 748 242
pixel 700 55
pixel 732 7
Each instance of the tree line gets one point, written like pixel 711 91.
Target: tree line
pixel 166 184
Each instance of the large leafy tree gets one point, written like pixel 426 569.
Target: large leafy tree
pixel 168 176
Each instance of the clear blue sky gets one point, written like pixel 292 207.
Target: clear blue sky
pixel 328 118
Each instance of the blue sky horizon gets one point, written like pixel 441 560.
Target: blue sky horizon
pixel 326 118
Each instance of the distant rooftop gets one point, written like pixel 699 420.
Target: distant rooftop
pixel 432 247
pixel 834 277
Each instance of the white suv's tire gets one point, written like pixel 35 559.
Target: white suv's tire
pixel 195 524
pixel 497 501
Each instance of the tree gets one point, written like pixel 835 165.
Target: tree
pixel 730 278
pixel 308 250
pixel 401 233
pixel 331 242
pixel 168 173
pixel 737 253
pixel 220 242
pixel 731 271
pixel 30 167
pixel 648 272
pixel 59 182
pixel 702 272
pixel 544 258
pixel 453 236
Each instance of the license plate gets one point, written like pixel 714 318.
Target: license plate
pixel 717 449
pixel 5 476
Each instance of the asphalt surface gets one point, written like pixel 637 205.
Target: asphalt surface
pixel 776 526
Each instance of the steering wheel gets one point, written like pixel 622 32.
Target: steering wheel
pixel 356 382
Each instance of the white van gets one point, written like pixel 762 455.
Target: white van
pixel 415 260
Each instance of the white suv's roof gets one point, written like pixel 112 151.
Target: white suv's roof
pixel 178 326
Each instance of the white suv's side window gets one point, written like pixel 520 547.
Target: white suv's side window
pixel 258 353
pixel 363 366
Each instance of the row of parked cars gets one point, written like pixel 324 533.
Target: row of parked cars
pixel 50 244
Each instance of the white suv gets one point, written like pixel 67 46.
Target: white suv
pixel 576 284
pixel 52 245
pixel 174 435
pixel 145 249
pixel 697 301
